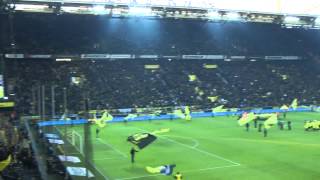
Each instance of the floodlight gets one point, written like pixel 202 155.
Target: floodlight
pixel 29 7
pixel 233 16
pixel 140 11
pixel 214 15
pixel 99 9
pixel 317 20
pixel 291 19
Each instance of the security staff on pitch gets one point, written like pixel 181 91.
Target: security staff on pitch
pixel 132 153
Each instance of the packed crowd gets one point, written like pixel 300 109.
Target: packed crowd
pixel 121 83
pixel 14 142
pixel 127 84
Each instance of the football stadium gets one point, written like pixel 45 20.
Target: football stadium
pixel 159 90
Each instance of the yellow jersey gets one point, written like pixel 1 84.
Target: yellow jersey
pixel 178 176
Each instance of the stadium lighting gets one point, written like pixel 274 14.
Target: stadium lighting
pixel 317 20
pixel 99 9
pixel 140 11
pixel 214 15
pixel 64 59
pixel 30 7
pixel 70 9
pixel 315 27
pixel 291 19
pixel 233 16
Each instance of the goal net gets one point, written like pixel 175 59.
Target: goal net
pixel 77 141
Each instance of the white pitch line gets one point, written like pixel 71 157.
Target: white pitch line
pixel 189 171
pixel 105 150
pixel 202 151
pixel 196 142
pixel 207 169
pixel 199 150
pixel 138 177
pixel 92 164
pixel 115 149
pixel 108 158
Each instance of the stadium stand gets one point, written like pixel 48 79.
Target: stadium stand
pixel 126 84
pixel 16 144
pixel 43 34
pixel 122 84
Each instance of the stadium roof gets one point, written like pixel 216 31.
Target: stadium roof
pixel 285 7
pixel 288 13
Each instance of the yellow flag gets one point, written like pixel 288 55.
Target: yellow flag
pixel 294 104
pixel 5 163
pixel 271 121
pixel 264 116
pixel 154 170
pixel 218 109
pixel 246 118
pixel 179 113
pixel 187 113
pixel 284 107
pixel 187 110
pixel 161 131
pixel 213 98
pixel 130 116
pixel 101 122
pixel 308 124
pixel 106 116
pixel 192 77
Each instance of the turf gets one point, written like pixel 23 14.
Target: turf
pixel 211 148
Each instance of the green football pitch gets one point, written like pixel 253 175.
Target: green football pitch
pixel 209 148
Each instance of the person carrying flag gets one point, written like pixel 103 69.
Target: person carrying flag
pixel 289 125
pixel 247 126
pixel 178 176
pixel 259 127
pixel 132 153
pixel 265 132
pixel 97 132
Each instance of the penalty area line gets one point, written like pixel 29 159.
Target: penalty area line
pixel 202 151
pixel 196 149
pixel 207 169
pixel 115 149
pixel 185 172
pixel 196 142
